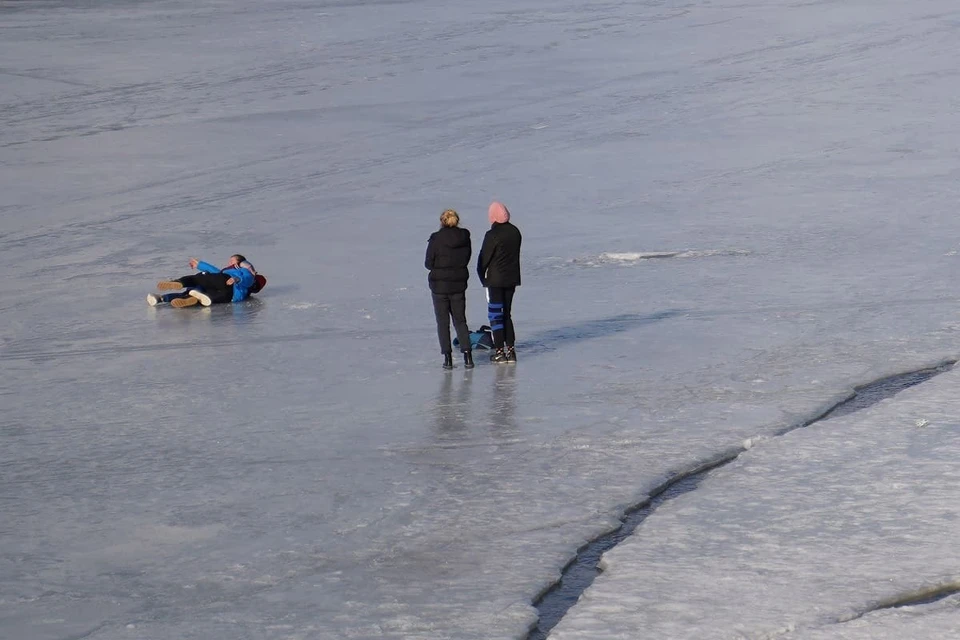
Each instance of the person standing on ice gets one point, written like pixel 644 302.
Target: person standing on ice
pixel 233 283
pixel 499 268
pixel 448 258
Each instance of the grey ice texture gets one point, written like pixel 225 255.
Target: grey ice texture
pixel 733 211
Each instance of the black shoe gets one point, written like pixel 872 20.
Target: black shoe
pixel 468 359
pixel 499 357
pixel 448 361
pixel 511 354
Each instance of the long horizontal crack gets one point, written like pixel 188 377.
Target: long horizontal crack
pixel 926 595
pixel 872 393
pixel 554 602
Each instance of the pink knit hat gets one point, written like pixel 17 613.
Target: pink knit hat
pixel 498 213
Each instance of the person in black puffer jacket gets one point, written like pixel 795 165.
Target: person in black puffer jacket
pixel 499 268
pixel 448 254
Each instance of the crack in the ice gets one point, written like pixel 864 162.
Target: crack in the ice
pixel 870 394
pixel 577 575
pixel 925 595
pixel 88 634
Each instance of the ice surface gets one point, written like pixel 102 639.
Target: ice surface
pixel 298 466
pixel 801 536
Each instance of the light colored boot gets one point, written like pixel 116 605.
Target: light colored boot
pixel 184 302
pixel 203 298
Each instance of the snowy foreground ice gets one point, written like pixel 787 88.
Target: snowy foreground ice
pixel 803 536
pixel 733 214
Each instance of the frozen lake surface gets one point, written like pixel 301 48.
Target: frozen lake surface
pixel 733 214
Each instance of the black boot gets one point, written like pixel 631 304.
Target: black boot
pixel 499 357
pixel 468 359
pixel 511 354
pixel 448 361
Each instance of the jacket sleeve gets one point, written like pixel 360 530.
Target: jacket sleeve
pixel 484 258
pixel 206 267
pixel 431 256
pixel 243 277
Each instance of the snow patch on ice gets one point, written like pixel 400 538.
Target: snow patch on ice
pixel 172 534
pixel 151 537
pixel 636 257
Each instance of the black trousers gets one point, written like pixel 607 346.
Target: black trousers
pixel 213 284
pixel 445 306
pixel 499 308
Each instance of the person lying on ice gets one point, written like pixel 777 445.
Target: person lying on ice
pixel 233 283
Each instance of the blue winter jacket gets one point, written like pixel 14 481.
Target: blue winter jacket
pixel 244 279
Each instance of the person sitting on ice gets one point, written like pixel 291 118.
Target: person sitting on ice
pixel 234 283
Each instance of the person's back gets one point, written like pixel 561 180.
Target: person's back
pixel 499 260
pixel 448 257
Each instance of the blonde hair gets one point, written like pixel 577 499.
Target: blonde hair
pixel 449 218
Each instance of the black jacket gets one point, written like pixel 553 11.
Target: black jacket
pixel 448 254
pixel 499 262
